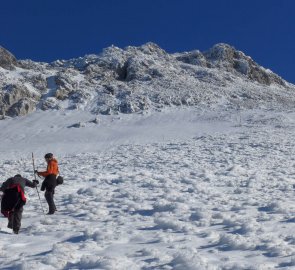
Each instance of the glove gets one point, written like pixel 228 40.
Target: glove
pixel 35 171
pixel 36 182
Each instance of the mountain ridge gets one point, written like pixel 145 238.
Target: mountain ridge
pixel 137 79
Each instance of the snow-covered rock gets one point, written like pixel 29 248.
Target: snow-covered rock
pixel 7 59
pixel 137 79
pixel 227 57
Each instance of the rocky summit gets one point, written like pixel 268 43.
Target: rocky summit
pixel 137 79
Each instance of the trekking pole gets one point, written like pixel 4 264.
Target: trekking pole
pixel 36 186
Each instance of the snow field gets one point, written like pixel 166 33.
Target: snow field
pixel 221 200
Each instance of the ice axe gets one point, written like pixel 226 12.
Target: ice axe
pixel 33 160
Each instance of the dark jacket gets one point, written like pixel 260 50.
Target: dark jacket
pixel 23 182
pixel 14 196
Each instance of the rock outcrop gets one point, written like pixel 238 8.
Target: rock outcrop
pixel 7 59
pixel 136 79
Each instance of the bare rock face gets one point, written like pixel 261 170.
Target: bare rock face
pixel 7 59
pixel 49 104
pixel 65 85
pixel 39 82
pixel 21 107
pixel 17 100
pixel 14 92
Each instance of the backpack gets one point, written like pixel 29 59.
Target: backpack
pixel 59 180
pixel 12 199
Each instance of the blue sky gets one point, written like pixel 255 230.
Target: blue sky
pixel 46 30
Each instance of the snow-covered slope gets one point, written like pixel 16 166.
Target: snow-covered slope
pixel 178 189
pixel 137 79
pixel 176 186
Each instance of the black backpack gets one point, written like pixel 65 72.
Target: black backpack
pixel 11 200
pixel 59 180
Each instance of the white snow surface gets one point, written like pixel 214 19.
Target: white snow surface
pixel 180 189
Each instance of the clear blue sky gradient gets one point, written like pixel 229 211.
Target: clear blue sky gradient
pixel 47 30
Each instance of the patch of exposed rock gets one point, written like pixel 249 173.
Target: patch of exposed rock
pixel 7 59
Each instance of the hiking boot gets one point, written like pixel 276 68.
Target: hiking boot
pixel 50 213
pixel 15 231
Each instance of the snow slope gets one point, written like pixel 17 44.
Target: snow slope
pixel 184 188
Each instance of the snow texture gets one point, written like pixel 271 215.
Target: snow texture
pixel 177 189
